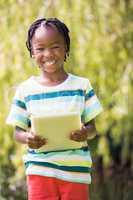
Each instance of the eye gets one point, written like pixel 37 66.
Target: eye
pixel 39 49
pixel 55 47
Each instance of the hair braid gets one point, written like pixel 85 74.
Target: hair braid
pixel 61 27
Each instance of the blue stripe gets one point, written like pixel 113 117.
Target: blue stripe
pixel 19 103
pixel 54 94
pixel 90 94
pixel 64 168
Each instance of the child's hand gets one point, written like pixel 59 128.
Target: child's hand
pixel 35 141
pixel 79 135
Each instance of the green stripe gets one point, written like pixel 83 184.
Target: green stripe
pixel 85 148
pixel 21 119
pixel 91 116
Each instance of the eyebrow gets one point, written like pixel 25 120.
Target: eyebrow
pixel 55 42
pixel 52 43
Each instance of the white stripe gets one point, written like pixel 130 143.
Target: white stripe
pixel 57 158
pixel 91 101
pixel 68 176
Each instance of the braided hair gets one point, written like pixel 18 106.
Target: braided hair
pixel 61 27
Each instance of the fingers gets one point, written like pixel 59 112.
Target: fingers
pixel 35 141
pixel 79 136
pixel 35 144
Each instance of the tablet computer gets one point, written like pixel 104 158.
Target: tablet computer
pixel 56 129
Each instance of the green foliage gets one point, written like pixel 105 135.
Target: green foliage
pixel 101 34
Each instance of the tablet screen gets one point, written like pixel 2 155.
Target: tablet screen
pixel 56 129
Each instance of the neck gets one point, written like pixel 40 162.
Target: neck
pixel 55 77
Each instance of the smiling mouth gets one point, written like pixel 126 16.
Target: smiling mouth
pixel 51 62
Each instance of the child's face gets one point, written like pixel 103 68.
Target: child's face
pixel 48 49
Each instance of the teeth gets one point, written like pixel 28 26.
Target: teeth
pixel 50 62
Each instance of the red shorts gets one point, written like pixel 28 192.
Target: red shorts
pixel 47 188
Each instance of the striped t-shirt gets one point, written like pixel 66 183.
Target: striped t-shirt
pixel 75 94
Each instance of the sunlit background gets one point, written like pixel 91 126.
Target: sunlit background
pixel 101 49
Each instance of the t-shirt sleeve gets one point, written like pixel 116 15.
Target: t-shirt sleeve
pixel 18 114
pixel 92 106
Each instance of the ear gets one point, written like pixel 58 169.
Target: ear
pixel 33 56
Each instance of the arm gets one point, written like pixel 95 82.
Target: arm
pixel 91 129
pixel 88 131
pixel 20 135
pixel 29 138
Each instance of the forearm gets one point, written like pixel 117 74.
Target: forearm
pixel 31 139
pixel 20 135
pixel 91 129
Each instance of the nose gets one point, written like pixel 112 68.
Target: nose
pixel 47 52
